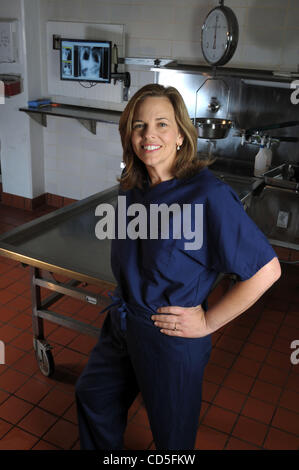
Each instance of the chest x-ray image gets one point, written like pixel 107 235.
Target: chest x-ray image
pixel 90 60
pixel 66 53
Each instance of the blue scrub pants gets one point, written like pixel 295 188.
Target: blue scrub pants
pixel 167 370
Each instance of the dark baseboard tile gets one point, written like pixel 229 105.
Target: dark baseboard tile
pixel 28 204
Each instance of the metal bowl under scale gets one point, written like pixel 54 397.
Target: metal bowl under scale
pixel 212 128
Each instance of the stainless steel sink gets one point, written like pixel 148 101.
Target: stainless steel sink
pixel 276 212
pixel 242 185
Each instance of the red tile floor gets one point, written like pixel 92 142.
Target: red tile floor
pixel 250 390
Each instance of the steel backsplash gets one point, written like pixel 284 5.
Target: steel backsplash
pixel 249 106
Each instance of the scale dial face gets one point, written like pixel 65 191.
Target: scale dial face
pixel 219 35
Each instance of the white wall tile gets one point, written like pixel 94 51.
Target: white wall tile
pixel 189 16
pixel 66 186
pixel 51 124
pixel 90 144
pixel 69 139
pixel 50 164
pixel 154 29
pixel 113 174
pixel 50 152
pixel 102 130
pixel 92 162
pixel 198 3
pixel 112 148
pixel 238 3
pixel 260 37
pixel 268 19
pixel 67 126
pixel 113 163
pixel 50 138
pixel 66 9
pixel 93 10
pixel 187 32
pixel 266 3
pixel 160 13
pixel 242 14
pixel 51 181
pixel 112 133
pixel 139 47
pixel 259 56
pixel 93 185
pixel 125 13
pixel 185 50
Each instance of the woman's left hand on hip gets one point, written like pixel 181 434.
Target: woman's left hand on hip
pixel 185 322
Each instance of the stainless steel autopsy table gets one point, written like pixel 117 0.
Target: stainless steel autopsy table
pixel 64 242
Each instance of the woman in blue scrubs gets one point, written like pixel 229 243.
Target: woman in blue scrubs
pixel 156 338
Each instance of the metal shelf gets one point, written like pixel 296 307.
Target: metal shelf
pixel 88 117
pixel 275 78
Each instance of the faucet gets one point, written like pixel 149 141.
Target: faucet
pixel 256 138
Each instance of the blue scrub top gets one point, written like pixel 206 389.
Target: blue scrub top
pixel 158 272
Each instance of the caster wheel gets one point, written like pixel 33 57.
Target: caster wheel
pixel 44 357
pixel 46 363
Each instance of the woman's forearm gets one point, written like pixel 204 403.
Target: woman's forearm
pixel 242 296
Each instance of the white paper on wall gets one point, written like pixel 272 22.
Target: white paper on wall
pixel 107 92
pixel 8 49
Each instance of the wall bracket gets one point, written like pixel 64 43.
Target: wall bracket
pixel 90 125
pixel 39 117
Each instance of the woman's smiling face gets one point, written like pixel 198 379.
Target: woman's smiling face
pixel 155 133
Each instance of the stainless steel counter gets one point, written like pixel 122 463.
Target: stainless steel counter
pixel 244 186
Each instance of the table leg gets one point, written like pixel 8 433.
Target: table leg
pixel 37 322
pixel 42 348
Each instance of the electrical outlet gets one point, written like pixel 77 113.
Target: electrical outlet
pixel 282 219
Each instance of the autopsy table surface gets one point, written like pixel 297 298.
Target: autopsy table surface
pixel 65 242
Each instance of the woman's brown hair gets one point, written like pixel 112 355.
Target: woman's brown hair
pixel 185 165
